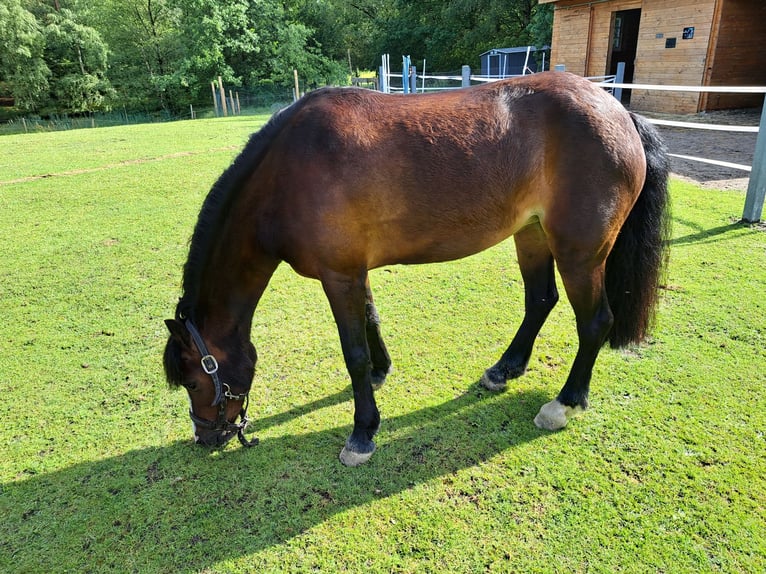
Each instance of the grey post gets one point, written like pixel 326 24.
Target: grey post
pixel 466 79
pixel 756 187
pixel 619 78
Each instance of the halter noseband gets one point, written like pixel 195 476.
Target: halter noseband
pixel 223 394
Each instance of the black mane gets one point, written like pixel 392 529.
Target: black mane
pixel 217 203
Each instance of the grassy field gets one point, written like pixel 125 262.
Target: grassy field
pixel 665 472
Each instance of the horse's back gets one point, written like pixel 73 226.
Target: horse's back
pixel 382 179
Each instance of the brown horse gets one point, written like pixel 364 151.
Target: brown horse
pixel 347 180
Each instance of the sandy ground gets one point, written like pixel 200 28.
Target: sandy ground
pixel 718 145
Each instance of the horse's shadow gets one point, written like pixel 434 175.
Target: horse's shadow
pixel 133 512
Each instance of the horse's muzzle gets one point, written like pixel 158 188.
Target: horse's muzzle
pixel 212 438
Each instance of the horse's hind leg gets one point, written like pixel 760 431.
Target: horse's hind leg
pixel 347 297
pixel 540 296
pixel 585 289
pixel 381 360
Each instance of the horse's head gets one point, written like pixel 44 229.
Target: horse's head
pixel 217 379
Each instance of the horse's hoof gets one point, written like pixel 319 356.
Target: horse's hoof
pixel 351 458
pixel 493 380
pixel 555 416
pixel 378 378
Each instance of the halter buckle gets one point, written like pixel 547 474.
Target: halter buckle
pixel 209 364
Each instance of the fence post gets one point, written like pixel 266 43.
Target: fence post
pixel 619 78
pixel 223 97
pixel 405 74
pixel 466 77
pixel 215 99
pixel 756 187
pixel 413 79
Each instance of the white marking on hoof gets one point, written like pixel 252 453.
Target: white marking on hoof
pixel 487 383
pixel 555 416
pixel 351 458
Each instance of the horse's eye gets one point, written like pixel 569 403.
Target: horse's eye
pixel 190 386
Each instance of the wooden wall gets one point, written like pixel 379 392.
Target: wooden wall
pixel 683 65
pixel 570 37
pixel 732 53
pixel 739 55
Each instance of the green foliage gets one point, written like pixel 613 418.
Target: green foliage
pixel 449 34
pixel 163 54
pixel 98 474
pixel 23 71
pixel 49 61
pixel 77 59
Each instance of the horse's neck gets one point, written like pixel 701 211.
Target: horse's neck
pixel 231 290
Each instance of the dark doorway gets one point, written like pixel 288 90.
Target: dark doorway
pixel 622 48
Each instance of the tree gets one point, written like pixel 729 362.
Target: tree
pixel 79 55
pixel 23 71
pixel 144 46
pixel 77 59
pixel 49 62
pixel 452 33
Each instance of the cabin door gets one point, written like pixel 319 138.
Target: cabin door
pixel 622 47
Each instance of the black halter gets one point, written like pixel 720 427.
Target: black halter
pixel 223 394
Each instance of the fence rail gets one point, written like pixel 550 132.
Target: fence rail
pixel 756 187
pixel 756 190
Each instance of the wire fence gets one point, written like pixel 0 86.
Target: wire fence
pixel 251 101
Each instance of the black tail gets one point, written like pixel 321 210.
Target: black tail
pixel 635 265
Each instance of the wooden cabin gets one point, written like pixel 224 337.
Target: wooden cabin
pixel 670 42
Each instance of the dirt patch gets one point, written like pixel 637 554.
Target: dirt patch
pixel 733 147
pixel 127 162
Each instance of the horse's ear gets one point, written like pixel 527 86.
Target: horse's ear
pixel 177 330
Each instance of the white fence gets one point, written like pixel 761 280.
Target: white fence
pixel 756 190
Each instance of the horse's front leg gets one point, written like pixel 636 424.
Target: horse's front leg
pixel 347 297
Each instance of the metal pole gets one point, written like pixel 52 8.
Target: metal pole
pixel 619 79
pixel 405 74
pixel 526 62
pixel 756 187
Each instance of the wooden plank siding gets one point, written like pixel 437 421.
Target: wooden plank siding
pixel 603 20
pixel 728 47
pixel 570 38
pixel 683 65
pixel 740 54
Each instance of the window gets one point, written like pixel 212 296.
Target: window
pixel 617 34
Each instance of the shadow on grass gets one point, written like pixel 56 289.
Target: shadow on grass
pixel 178 508
pixel 713 235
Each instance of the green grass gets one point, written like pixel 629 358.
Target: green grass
pixel 664 473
